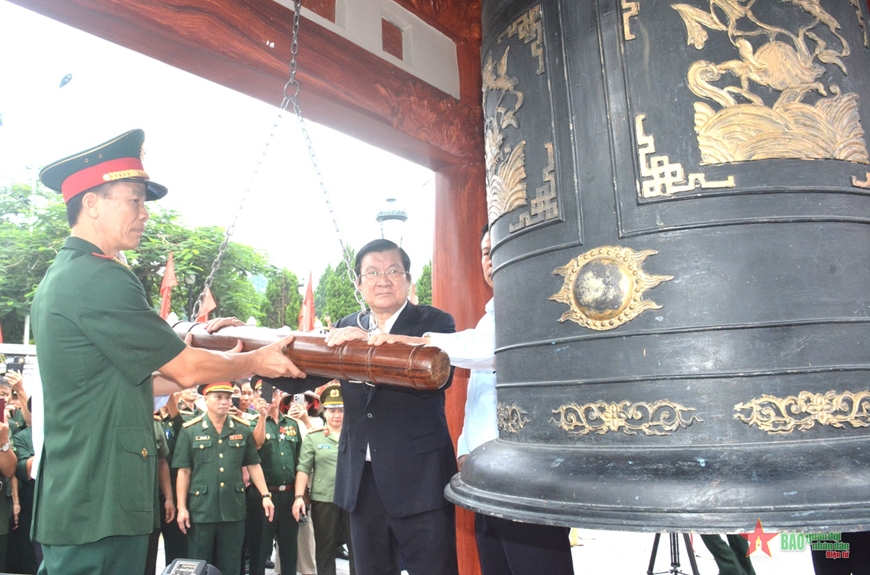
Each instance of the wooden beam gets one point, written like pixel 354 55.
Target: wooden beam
pixel 245 45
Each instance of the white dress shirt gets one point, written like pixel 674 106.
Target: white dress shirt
pixel 474 349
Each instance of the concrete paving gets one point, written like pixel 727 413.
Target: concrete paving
pixel 622 553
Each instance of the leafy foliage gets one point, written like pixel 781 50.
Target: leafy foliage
pixel 33 228
pixel 424 285
pixel 334 294
pixel 283 302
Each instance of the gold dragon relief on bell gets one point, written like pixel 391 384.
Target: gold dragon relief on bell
pixel 769 101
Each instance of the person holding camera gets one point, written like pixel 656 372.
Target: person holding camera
pixel 318 460
pixel 278 439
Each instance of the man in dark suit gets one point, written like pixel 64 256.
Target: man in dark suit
pixel 395 453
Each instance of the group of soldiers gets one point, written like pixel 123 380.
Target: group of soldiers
pixel 218 462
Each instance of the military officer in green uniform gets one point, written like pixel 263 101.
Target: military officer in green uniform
pixel 100 342
pixel 209 455
pixel 279 442
pixel 318 459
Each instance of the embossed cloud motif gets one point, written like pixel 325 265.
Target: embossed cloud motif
pixel 781 61
pixel 505 166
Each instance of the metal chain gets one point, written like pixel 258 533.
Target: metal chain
pixel 291 85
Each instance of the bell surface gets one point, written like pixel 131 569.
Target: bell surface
pixel 679 194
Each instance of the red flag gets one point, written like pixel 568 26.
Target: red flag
pixel 306 314
pixel 208 306
pixel 169 282
pixel 1 335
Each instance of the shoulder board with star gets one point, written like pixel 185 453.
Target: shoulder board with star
pixel 240 420
pixel 316 430
pixel 194 420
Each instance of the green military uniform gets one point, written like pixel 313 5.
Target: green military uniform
pixel 174 541
pixel 25 556
pixel 216 496
pixel 331 523
pixel 99 341
pixel 279 456
pixel 16 422
pixel 5 516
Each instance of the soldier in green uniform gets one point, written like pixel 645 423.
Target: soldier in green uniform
pixel 318 458
pixel 209 456
pixel 279 442
pixel 100 342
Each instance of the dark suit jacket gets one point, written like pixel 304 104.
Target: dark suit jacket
pixel 411 450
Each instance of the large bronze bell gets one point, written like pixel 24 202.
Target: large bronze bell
pixel 680 194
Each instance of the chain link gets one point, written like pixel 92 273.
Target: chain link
pixel 293 86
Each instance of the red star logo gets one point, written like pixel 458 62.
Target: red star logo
pixel 758 538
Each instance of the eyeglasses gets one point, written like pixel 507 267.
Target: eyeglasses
pixel 391 275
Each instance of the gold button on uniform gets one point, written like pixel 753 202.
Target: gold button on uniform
pixel 144 453
pixel 222 469
pixel 220 455
pixel 222 483
pixel 220 440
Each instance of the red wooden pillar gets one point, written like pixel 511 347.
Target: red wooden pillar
pixel 458 287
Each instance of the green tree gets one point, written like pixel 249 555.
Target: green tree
pixel 334 294
pixel 32 230
pixel 283 302
pixel 194 250
pixel 424 285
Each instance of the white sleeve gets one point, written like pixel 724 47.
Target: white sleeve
pixel 470 348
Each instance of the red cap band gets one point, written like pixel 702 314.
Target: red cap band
pixel 118 169
pixel 222 386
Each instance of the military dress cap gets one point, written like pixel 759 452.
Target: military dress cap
pixel 331 396
pixel 118 159
pixel 207 388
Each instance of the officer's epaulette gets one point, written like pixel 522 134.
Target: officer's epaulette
pixel 316 430
pixel 240 420
pixel 194 420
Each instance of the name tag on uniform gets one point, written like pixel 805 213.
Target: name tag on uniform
pixel 324 447
pixel 203 437
pixel 236 437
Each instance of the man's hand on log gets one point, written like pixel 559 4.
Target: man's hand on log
pixel 217 323
pixel 271 361
pixel 382 338
pixel 342 335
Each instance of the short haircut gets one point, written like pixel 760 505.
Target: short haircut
pixel 74 205
pixel 378 246
pixel 484 230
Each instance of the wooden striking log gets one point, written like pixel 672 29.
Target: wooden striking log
pixel 416 367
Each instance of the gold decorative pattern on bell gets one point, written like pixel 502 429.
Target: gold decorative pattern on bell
pixel 804 410
pixel 604 287
pixel 511 418
pixel 661 417
pixel 785 63
pixel 662 177
pixel 505 164
pixel 545 206
pixel 861 22
pixel 865 183
pixel 629 9
pixel 528 29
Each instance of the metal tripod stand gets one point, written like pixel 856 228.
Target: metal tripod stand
pixel 675 554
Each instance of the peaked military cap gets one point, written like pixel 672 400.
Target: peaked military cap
pixel 330 397
pixel 207 388
pixel 118 159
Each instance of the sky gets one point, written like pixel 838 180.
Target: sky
pixel 204 142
